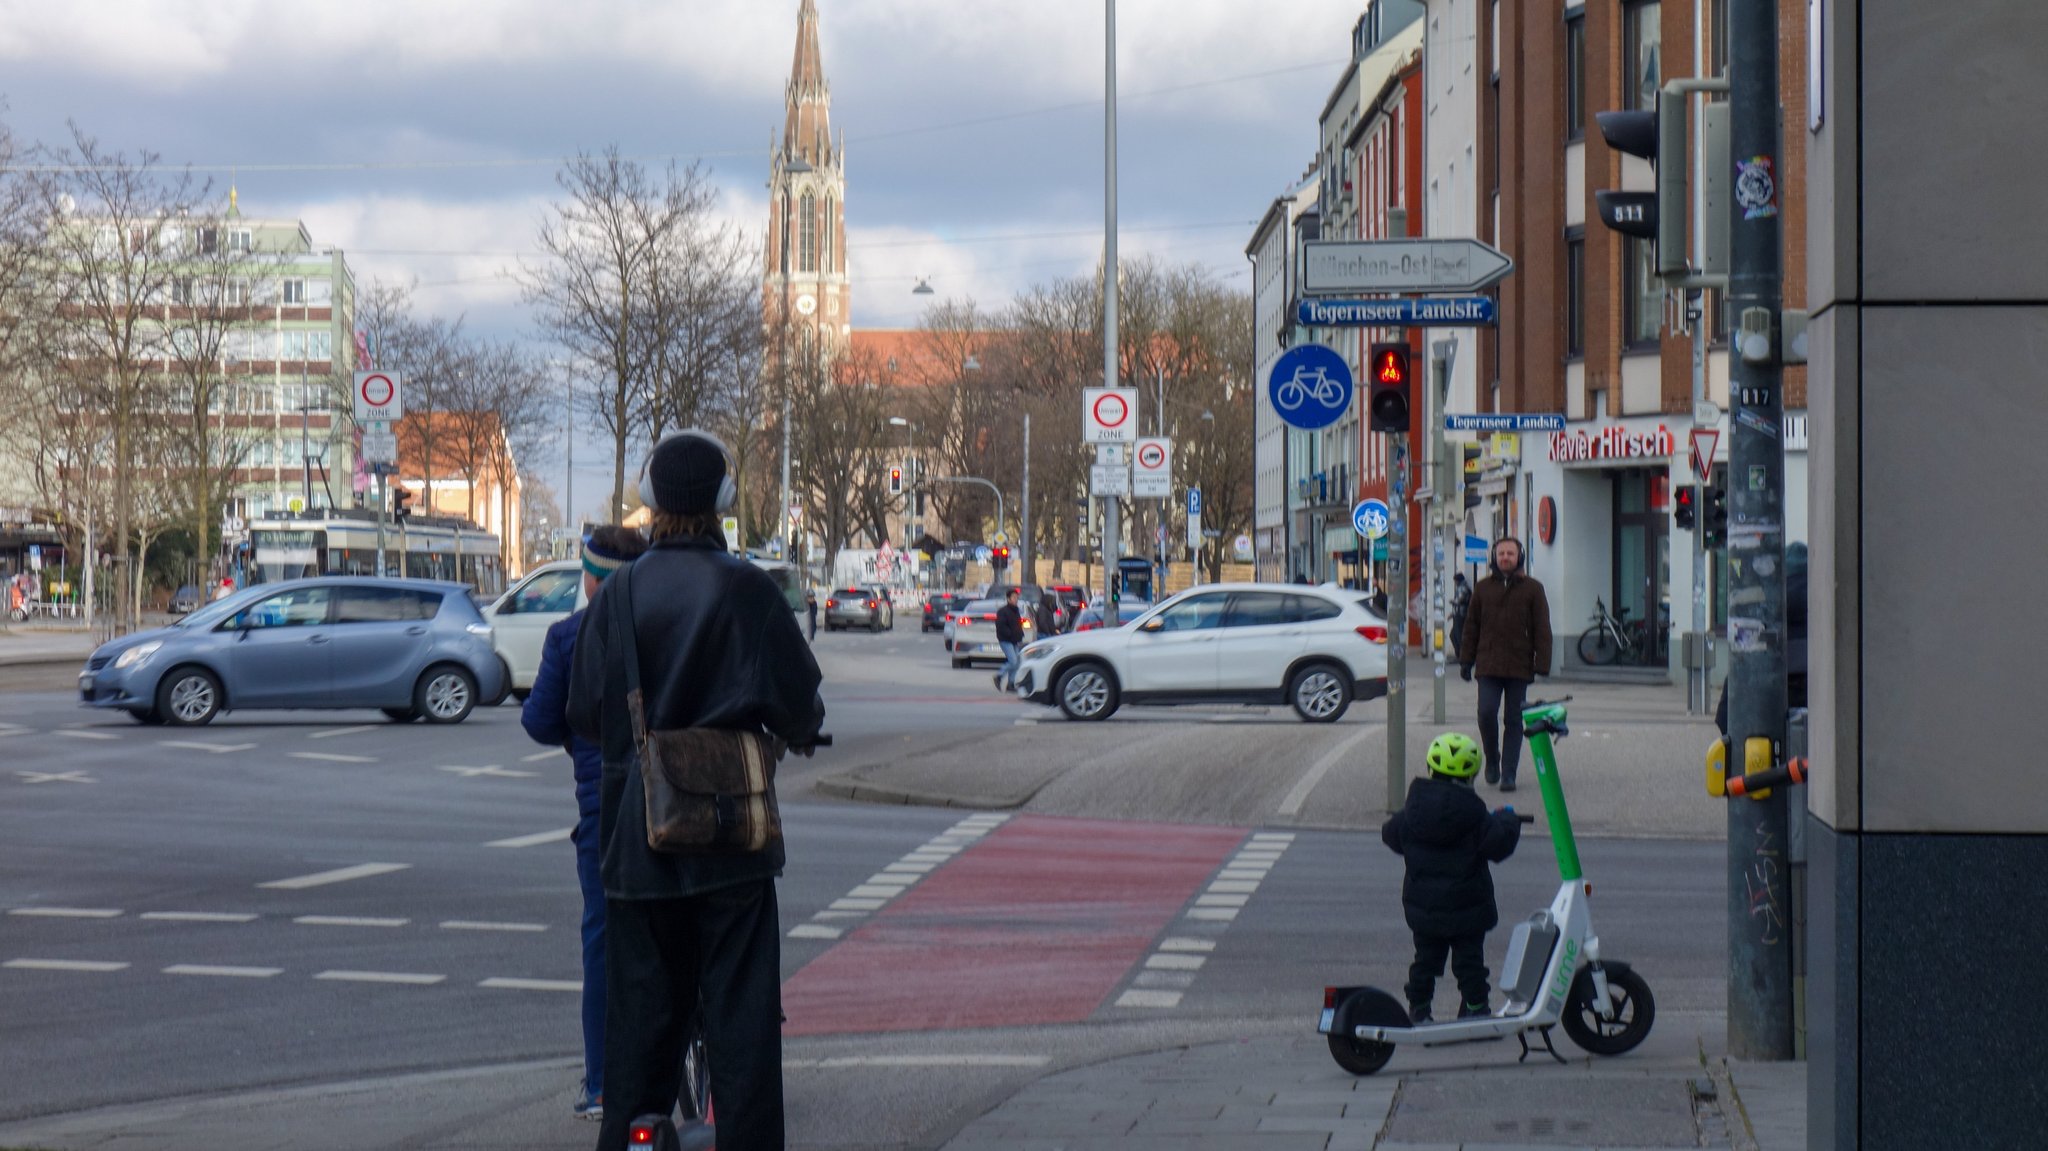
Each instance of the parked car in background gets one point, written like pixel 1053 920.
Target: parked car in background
pixel 868 607
pixel 520 618
pixel 974 633
pixel 1090 617
pixel 414 649
pixel 936 605
pixel 1072 600
pixel 1315 649
pixel 187 599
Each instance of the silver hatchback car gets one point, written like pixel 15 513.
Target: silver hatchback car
pixel 414 649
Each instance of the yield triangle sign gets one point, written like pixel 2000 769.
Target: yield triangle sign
pixel 1705 442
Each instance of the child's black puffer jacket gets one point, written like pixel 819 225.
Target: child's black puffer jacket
pixel 1448 837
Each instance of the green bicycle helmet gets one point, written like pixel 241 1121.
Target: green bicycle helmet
pixel 1454 754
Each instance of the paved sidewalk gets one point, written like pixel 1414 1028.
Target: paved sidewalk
pixel 21 644
pixel 1285 1094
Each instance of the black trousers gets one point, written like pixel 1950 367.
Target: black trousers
pixel 1468 964
pixel 1503 746
pixel 663 959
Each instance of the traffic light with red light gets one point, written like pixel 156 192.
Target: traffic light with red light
pixel 896 481
pixel 1685 508
pixel 1390 387
pixel 999 559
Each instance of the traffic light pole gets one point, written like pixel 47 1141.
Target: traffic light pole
pixel 1760 925
pixel 1397 620
pixel 383 516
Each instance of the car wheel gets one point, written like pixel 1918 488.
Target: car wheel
pixel 400 714
pixel 188 697
pixel 446 694
pixel 145 715
pixel 1087 691
pixel 1319 693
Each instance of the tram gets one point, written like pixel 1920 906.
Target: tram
pixel 344 542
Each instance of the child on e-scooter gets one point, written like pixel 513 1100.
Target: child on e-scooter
pixel 1448 838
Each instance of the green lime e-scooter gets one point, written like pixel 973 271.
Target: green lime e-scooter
pixel 1554 973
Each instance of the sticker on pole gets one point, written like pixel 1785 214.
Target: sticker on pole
pixel 1152 471
pixel 1705 443
pixel 1310 387
pixel 377 399
pixel 1370 518
pixel 1109 415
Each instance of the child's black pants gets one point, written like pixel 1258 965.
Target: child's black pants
pixel 1468 965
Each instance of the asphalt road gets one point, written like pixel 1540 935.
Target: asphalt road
pixel 288 899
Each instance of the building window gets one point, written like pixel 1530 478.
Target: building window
pixel 1493 25
pixel 1575 78
pixel 181 290
pixel 209 241
pixel 1643 47
pixel 241 240
pixel 807 230
pixel 1575 293
pixel 831 230
pixel 1717 43
pixel 235 293
pixel 295 291
pixel 319 346
pixel 1645 299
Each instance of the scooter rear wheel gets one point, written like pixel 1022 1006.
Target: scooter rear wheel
pixel 1368 1007
pixel 1635 1009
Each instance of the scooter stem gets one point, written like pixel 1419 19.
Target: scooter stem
pixel 1537 724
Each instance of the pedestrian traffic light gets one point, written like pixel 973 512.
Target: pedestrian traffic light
pixel 1470 476
pixel 401 501
pixel 1659 136
pixel 999 559
pixel 1685 508
pixel 1714 517
pixel 895 481
pixel 1389 401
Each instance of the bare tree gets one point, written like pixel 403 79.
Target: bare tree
pixel 595 288
pixel 105 270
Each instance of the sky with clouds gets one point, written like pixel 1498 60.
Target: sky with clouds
pixel 421 136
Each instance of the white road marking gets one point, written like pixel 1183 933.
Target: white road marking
pixel 349 921
pixel 1273 836
pixel 87 734
pixel 7 729
pixel 875 891
pixel 225 972
pixel 1218 913
pixel 534 840
pixel 198 745
pixel 338 875
pixel 1242 873
pixel 55 777
pixel 1221 900
pixel 328 757
pixel 965 1060
pixel 839 915
pixel 66 912
pixel 888 879
pixel 857 904
pixel 538 756
pixel 381 977
pixel 1257 855
pixel 201 916
pixel 1175 962
pixel 1023 721
pixel 334 731
pixel 1180 979
pixel 486 925
pixel 62 965
pixel 532 984
pixel 916 868
pixel 1138 998
pixel 1233 887
pixel 489 769
pixel 1290 804
pixel 1182 943
pixel 814 931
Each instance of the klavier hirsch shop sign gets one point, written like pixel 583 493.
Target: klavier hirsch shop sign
pixel 1611 443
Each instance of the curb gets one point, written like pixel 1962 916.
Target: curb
pixel 42 661
pixel 848 787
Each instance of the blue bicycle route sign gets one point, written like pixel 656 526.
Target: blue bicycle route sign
pixel 1370 518
pixel 1310 386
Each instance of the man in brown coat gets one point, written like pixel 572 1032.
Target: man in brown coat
pixel 1507 641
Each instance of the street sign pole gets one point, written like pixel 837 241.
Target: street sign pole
pixel 383 515
pixel 1697 679
pixel 1760 923
pixel 1443 508
pixel 1397 621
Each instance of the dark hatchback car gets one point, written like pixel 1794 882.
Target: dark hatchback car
pixel 414 649
pixel 937 604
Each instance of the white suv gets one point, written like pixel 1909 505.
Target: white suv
pixel 1316 648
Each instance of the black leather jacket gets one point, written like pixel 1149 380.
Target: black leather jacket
pixel 719 647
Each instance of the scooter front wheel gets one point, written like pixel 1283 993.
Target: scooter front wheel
pixel 1365 1008
pixel 1635 1009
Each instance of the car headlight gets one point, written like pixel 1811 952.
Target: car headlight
pixel 138 655
pixel 1036 650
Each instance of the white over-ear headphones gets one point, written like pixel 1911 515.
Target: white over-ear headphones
pixel 728 490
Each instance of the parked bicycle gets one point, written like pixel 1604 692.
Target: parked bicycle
pixel 1613 636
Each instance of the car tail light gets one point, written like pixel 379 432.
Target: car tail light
pixel 871 603
pixel 1373 633
pixel 831 603
pixel 1088 625
pixel 989 617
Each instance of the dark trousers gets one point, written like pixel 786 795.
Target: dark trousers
pixel 1503 746
pixel 593 952
pixel 1468 965
pixel 723 951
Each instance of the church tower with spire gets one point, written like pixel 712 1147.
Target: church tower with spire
pixel 806 274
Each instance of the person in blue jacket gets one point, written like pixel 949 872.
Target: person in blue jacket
pixel 545 718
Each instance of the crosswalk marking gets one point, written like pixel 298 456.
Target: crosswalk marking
pixel 1143 997
pixel 406 977
pixel 486 925
pixel 539 756
pixel 534 840
pixel 488 769
pixel 223 972
pixel 66 912
pixel 86 734
pixel 200 745
pixel 331 757
pixel 331 732
pixel 814 931
pixel 1166 962
pixel 201 916
pixel 898 877
pixel 349 921
pixel 532 984
pixel 338 875
pixel 55 777
pixel 63 965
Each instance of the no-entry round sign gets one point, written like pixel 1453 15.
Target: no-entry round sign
pixel 1151 456
pixel 1110 410
pixel 1107 415
pixel 377 397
